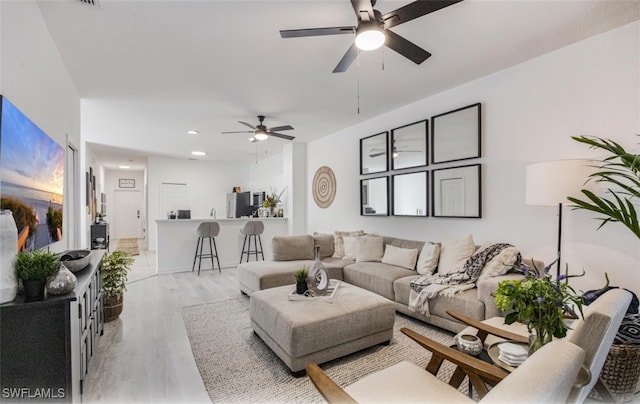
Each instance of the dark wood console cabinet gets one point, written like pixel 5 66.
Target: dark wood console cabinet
pixel 46 346
pixel 100 236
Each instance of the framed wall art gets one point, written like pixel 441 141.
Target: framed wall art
pixel 409 145
pixel 126 183
pixel 374 153
pixel 456 135
pixel 456 192
pixel 374 196
pixel 410 194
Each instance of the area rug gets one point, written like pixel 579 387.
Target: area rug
pixel 128 245
pixel 237 367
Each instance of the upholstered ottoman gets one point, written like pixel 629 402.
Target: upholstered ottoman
pixel 313 331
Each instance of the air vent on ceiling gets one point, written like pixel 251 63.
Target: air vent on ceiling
pixel 90 2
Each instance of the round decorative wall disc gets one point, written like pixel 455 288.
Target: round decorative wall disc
pixel 324 187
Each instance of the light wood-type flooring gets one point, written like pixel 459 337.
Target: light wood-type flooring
pixel 145 356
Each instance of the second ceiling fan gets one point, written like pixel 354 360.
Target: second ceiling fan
pixel 373 31
pixel 261 132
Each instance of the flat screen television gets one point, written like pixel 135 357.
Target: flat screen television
pixel 31 178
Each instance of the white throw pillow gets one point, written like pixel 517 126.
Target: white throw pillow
pixel 500 264
pixel 350 247
pixel 454 254
pixel 369 248
pixel 401 257
pixel 339 243
pixel 428 260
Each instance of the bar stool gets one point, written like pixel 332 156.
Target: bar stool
pixel 252 229
pixel 206 230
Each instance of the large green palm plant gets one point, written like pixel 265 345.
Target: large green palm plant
pixel 620 175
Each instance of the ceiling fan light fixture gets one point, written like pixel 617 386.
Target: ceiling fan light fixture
pixel 261 135
pixel 369 36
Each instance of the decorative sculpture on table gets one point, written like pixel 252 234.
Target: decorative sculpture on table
pixel 318 279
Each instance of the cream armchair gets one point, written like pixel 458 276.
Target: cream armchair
pixel 546 377
pixel 594 334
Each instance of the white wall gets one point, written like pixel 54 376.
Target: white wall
pixel 34 78
pixel 529 112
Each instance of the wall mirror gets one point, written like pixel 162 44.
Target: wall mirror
pixel 374 153
pixel 410 194
pixel 409 145
pixel 374 197
pixel 455 135
pixel 456 192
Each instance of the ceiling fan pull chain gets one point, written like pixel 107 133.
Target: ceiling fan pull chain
pixel 382 58
pixel 358 82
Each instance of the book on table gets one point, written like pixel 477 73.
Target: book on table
pixel 309 295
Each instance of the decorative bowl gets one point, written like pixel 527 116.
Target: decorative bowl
pixel 469 344
pixel 76 260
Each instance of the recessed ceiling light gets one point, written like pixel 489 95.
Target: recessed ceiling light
pixel 198 153
pixel 192 132
pixel 124 167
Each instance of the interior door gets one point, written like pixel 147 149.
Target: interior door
pixel 127 214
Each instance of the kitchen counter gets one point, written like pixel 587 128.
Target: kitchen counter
pixel 176 241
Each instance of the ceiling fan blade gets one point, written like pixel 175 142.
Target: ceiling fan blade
pixel 377 154
pixel 247 124
pixel 282 136
pixel 347 59
pixel 363 9
pixel 242 131
pixel 298 33
pixel 279 128
pixel 414 10
pixel 406 48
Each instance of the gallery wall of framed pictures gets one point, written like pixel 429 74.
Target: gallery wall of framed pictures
pixel 394 179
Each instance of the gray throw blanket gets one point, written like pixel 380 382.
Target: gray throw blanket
pixel 429 286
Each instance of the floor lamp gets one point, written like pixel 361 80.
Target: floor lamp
pixel 550 182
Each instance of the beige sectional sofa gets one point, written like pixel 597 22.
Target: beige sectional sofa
pixel 391 281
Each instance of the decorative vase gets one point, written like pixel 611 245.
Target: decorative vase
pixel 318 279
pixel 540 337
pixel 8 251
pixel 301 287
pixel 34 290
pixel 272 211
pixel 112 308
pixel 469 344
pixel 62 282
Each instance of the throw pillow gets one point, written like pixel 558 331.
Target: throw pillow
pixel 454 254
pixel 500 264
pixel 350 247
pixel 428 260
pixel 339 243
pixel 326 243
pixel 401 257
pixel 292 248
pixel 369 248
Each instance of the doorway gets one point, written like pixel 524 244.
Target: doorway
pixel 127 214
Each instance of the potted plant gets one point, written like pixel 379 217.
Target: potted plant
pixel 33 269
pixel 301 280
pixel 620 174
pixel 114 277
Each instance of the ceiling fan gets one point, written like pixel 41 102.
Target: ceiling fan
pixel 375 152
pixel 373 31
pixel 261 132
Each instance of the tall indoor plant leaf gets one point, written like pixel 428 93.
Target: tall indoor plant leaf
pixel 619 174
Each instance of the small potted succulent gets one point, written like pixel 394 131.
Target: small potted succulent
pixel 33 268
pixel 301 280
pixel 114 278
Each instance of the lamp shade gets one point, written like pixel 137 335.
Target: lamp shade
pixel 550 182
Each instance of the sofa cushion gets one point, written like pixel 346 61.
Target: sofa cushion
pixel 500 264
pixel 402 257
pixel 326 244
pixel 290 248
pixel 428 259
pixel 350 247
pixel 375 276
pixel 454 254
pixel 402 243
pixel 369 248
pixel 339 242
pixel 465 302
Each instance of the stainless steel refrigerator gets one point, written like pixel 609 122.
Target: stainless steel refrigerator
pixel 238 204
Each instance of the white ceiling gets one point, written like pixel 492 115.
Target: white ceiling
pixel 147 71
